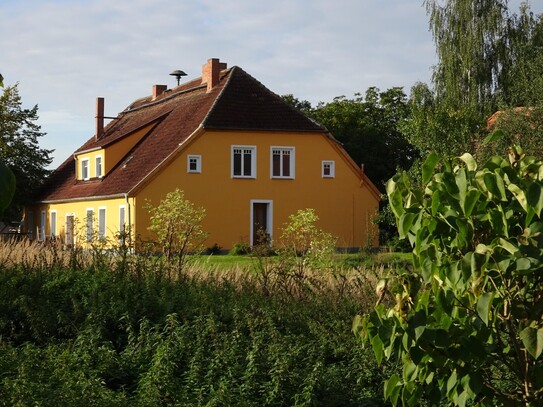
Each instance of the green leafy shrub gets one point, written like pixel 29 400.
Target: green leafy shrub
pixel 467 326
pixel 240 249
pixel 177 225
pixel 99 337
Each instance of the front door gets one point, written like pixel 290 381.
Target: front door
pixel 261 219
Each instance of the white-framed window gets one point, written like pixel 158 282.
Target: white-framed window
pixel 53 223
pixel 194 163
pixel 43 220
pixel 122 224
pixel 282 162
pixel 101 223
pixel 89 222
pixel 98 166
pixel 85 173
pixel 69 229
pixel 328 169
pixel 243 161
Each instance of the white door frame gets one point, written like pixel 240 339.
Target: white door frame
pixel 269 218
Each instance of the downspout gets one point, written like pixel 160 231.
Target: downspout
pixel 129 220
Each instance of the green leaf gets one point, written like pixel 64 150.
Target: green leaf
pixel 405 224
pixel 483 306
pixel 395 199
pixel 532 339
pixel 495 185
pixel 535 197
pixel 494 136
pixel 519 195
pixel 471 165
pixel 392 389
pixel 511 248
pixel 410 371
pixel 451 382
pixel 472 196
pixel 378 348
pixel 428 167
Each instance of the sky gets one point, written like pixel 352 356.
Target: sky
pixel 65 53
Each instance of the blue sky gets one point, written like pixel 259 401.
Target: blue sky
pixel 65 53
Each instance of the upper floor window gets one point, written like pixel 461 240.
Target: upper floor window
pixel 98 166
pixel 194 163
pixel 243 161
pixel 85 169
pixel 328 169
pixel 282 162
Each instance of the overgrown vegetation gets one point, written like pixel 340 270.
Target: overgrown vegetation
pixel 89 328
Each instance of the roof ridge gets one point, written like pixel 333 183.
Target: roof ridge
pixel 156 102
pixel 281 100
pixel 215 102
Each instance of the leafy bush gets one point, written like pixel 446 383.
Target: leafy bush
pixel 177 225
pixel 240 249
pixel 467 326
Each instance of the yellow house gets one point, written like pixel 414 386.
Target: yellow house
pixel 234 148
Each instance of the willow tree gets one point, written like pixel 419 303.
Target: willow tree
pixel 472 50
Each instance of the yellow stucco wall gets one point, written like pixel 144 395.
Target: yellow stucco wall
pixel 112 154
pixel 344 207
pixel 91 157
pixel 78 210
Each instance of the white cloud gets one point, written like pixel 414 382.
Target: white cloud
pixel 67 53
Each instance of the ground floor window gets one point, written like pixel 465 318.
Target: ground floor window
pixel 89 221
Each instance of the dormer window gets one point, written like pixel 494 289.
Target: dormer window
pixel 85 169
pixel 98 166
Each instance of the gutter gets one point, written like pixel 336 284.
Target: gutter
pixel 85 198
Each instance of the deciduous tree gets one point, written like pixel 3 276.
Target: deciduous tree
pixel 20 149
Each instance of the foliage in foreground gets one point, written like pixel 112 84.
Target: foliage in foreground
pixel 468 325
pixel 109 336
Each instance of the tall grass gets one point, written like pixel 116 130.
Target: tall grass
pixel 94 328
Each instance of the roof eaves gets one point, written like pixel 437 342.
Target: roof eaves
pixel 83 198
pixel 364 179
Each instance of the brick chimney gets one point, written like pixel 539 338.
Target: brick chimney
pixel 211 71
pixel 158 90
pixel 99 118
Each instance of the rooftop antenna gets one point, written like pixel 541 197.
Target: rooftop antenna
pixel 178 74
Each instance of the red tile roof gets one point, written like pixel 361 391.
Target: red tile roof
pixel 238 102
